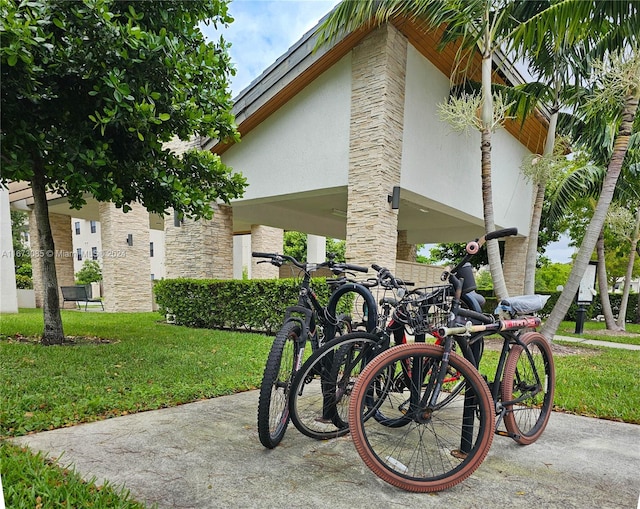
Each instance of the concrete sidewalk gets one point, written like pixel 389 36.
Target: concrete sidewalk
pixel 207 455
pixel 596 342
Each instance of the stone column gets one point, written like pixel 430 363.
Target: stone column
pixel 405 251
pixel 265 239
pixel 375 146
pixel 513 265
pixel 63 244
pixel 200 249
pixel 9 300
pixel 126 267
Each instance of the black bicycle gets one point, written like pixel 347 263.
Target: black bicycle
pixel 320 391
pixel 434 414
pixel 307 321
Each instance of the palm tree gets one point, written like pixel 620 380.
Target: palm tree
pixel 617 90
pixel 552 37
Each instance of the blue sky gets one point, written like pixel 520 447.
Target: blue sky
pixel 263 30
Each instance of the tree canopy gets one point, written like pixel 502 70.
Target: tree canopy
pixel 92 91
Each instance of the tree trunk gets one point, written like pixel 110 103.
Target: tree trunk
pixel 536 213
pixel 603 285
pixel 635 236
pixel 493 248
pixel 53 333
pixel 532 246
pixel 597 221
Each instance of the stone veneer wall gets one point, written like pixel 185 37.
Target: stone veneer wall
pixel 513 265
pixel 375 146
pixel 63 243
pixel 126 270
pixel 200 249
pixel 265 239
pixel 404 250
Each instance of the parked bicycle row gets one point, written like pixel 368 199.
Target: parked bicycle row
pixel 404 376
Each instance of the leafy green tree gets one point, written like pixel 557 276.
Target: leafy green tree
pixel 89 273
pixel 483 280
pixel 338 248
pixel 552 275
pixel 295 244
pixel 91 92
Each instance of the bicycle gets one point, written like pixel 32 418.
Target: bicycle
pixel 320 392
pixel 434 429
pixel 307 321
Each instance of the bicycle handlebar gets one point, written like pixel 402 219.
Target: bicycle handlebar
pixel 389 280
pixel 506 232
pixel 279 259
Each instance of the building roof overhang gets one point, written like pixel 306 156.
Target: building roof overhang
pixel 303 63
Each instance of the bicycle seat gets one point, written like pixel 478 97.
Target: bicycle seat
pixel 521 305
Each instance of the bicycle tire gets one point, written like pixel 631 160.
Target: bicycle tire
pixel 321 389
pixel 424 455
pixel 273 408
pixel 527 420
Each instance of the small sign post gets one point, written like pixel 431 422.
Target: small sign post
pixel 586 291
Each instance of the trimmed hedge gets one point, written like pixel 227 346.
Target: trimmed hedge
pixel 251 305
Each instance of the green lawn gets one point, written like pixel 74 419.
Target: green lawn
pixel 137 363
pixel 595 330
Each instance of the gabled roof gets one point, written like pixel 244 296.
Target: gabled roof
pixel 300 65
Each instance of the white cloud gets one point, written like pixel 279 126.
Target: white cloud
pixel 263 30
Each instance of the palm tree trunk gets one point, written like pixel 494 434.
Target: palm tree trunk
pixel 597 221
pixel 53 333
pixel 493 248
pixel 532 247
pixel 622 315
pixel 603 285
pixel 536 213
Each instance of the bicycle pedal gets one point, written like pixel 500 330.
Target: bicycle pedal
pixel 457 453
pixel 508 434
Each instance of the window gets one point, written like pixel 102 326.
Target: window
pixel 94 253
pixel 151 249
pixel 77 226
pixel 79 254
pixel 93 226
pixel 153 277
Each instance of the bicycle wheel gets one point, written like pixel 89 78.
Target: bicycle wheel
pixel 273 410
pixel 390 410
pixel 439 445
pixel 529 381
pixel 320 392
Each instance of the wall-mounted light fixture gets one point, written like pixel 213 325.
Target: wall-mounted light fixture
pixel 177 219
pixel 394 198
pixel 130 240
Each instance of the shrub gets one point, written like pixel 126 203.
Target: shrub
pixel 253 305
pixel 23 282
